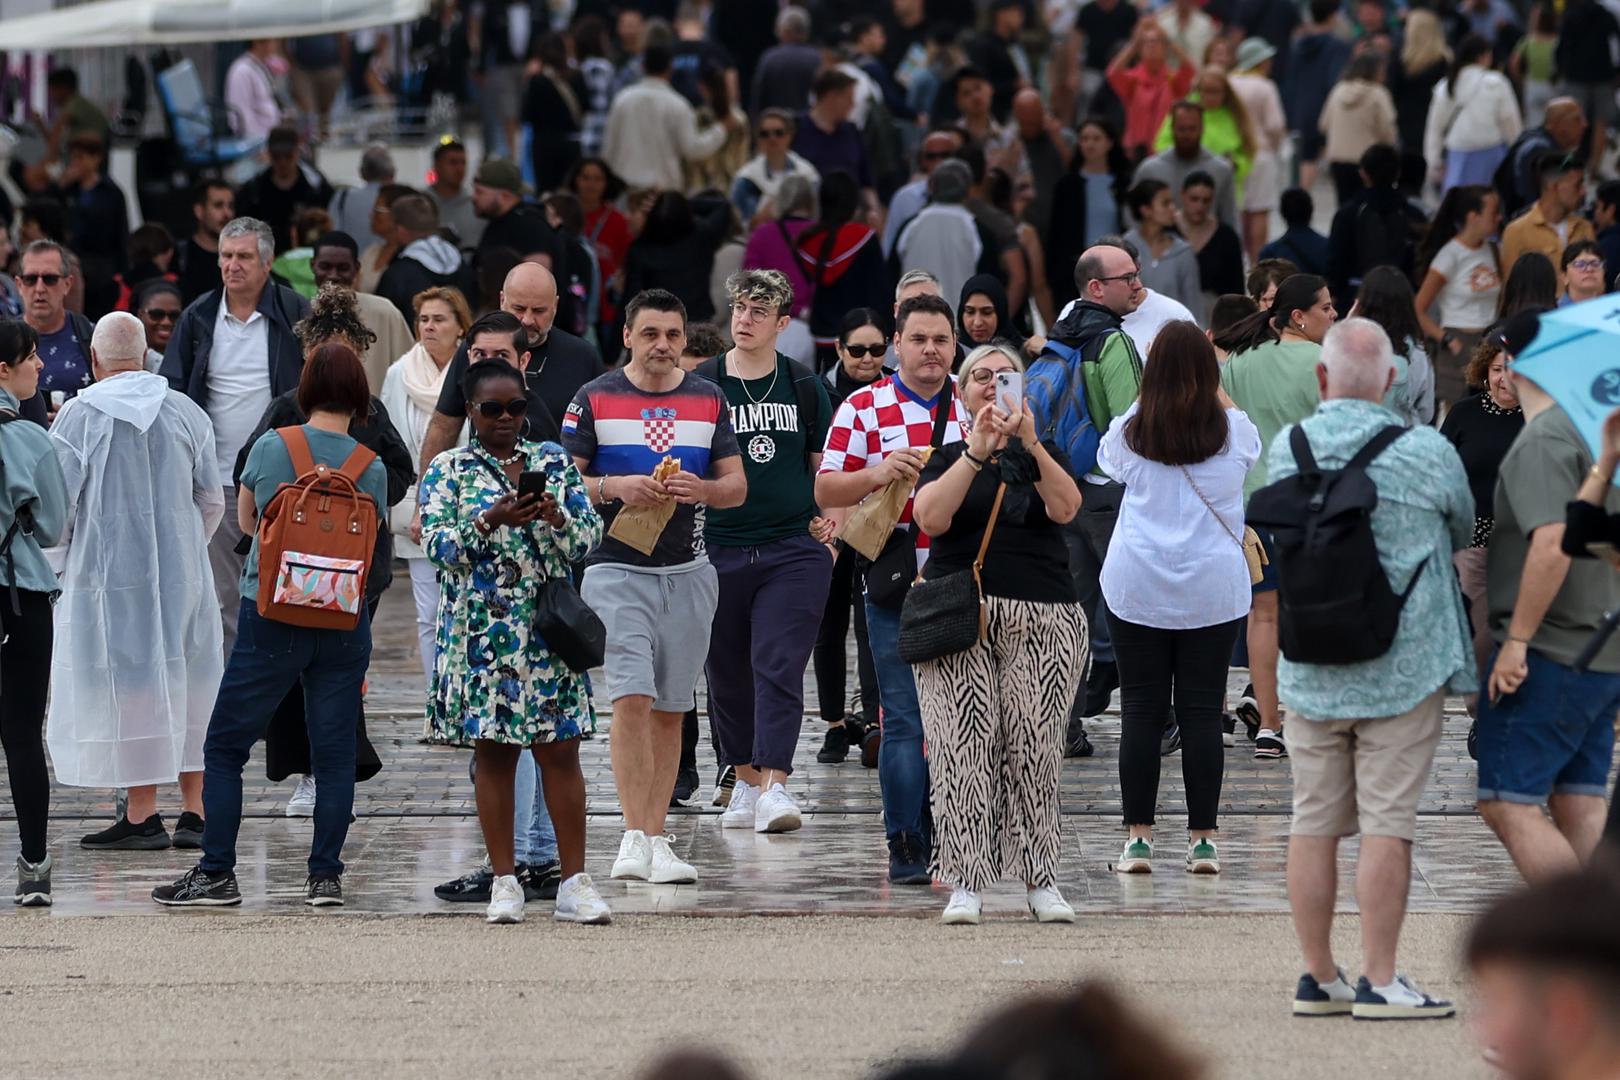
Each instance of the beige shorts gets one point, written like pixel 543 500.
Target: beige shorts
pixel 1363 776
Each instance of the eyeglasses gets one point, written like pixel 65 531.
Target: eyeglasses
pixel 983 375
pixel 860 352
pixel 1586 264
pixel 753 314
pixel 773 133
pixel 162 315
pixel 494 410
pixel 50 280
pixel 935 155
pixel 1134 275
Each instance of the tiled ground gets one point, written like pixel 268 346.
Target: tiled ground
pixel 417 827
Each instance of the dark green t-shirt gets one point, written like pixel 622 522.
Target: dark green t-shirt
pixel 781 487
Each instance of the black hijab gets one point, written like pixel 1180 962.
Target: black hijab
pixel 990 286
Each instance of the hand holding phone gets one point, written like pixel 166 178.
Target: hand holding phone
pixel 1010 392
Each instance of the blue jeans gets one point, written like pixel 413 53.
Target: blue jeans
pixel 268 659
pixel 902 771
pixel 533 838
pixel 1553 736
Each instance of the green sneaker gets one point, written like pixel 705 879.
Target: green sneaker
pixel 1201 858
pixel 1137 858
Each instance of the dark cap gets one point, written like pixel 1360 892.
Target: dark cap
pixel 1517 333
pixel 500 174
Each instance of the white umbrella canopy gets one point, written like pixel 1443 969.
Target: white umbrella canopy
pixel 108 23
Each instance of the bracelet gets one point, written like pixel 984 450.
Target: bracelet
pixel 601 490
pixel 974 463
pixel 1520 640
pixel 1597 473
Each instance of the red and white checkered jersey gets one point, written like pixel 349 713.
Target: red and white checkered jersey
pixel 877 420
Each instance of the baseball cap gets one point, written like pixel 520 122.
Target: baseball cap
pixel 1519 331
pixel 501 175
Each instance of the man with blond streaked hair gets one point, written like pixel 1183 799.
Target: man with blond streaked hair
pixel 138 655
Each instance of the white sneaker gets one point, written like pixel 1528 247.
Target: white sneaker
pixel 505 901
pixel 740 811
pixel 635 856
pixel 579 902
pixel 302 803
pixel 667 868
pixel 777 812
pixel 963 910
pixel 1048 905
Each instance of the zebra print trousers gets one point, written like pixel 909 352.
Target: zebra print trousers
pixel 994 718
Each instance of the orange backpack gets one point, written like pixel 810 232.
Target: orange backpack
pixel 316 539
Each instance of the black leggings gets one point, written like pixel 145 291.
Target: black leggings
pixel 844 597
pixel 1154 667
pixel 25 679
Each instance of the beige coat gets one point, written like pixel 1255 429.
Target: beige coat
pixel 1357 115
pixel 394 337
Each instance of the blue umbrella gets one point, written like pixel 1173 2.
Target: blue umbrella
pixel 1575 358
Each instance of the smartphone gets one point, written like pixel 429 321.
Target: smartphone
pixel 532 483
pixel 1010 392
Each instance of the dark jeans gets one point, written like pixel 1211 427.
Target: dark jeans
pixel 286 743
pixel 271 657
pixel 1156 667
pixel 844 600
pixel 902 768
pixel 25 680
pixel 1087 537
pixel 765 625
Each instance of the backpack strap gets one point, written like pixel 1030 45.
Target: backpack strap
pixel 942 415
pixel 1301 446
pixel 1375 446
pixel 297 444
pixel 804 394
pixel 712 369
pixel 355 465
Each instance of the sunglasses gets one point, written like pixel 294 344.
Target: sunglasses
pixel 163 315
pixel 773 133
pixel 51 280
pixel 494 410
pixel 860 352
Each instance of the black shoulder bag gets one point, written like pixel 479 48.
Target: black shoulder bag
pixel 946 616
pixel 889 576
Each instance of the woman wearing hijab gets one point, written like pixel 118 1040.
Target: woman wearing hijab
pixel 981 313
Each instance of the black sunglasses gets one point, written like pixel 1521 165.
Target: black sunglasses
pixel 494 410
pixel 163 314
pixel 861 351
pixel 51 280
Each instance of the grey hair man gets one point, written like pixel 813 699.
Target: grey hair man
pixel 232 352
pixel 944 238
pixel 45 277
pixel 351 207
pixel 1364 734
pixel 142 455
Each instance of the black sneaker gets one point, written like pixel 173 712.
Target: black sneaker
pixel 1473 740
pixel 326 891
pixel 540 880
pixel 908 861
pixel 1170 741
pixel 1075 741
pixel 471 889
pixel 835 747
pixel 149 835
pixel 686 785
pixel 200 888
pixel 871 743
pixel 724 781
pixel 1269 746
pixel 1248 711
pixel 1228 729
pixel 188 831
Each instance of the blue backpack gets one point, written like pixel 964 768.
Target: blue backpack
pixel 1056 389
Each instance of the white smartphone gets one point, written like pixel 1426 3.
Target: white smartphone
pixel 1010 392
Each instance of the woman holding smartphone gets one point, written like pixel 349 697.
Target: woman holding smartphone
pixel 1176 581
pixel 497 687
pixel 994 715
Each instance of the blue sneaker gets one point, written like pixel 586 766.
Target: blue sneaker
pixel 1400 1000
pixel 1323 999
pixel 908 861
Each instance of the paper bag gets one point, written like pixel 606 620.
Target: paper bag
pixel 640 527
pixel 870 524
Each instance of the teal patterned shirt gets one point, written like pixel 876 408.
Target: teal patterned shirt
pixel 1425 511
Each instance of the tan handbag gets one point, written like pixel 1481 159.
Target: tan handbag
pixel 1254 552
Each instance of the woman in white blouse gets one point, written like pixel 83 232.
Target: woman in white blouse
pixel 410 393
pixel 1176 581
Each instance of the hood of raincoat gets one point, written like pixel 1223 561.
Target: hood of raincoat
pixel 134 397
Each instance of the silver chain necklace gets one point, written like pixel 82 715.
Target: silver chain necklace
pixel 776 371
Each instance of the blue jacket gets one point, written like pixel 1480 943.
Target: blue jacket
pixel 1304 247
pixel 185 361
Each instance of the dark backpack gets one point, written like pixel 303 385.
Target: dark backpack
pixel 1336 605
pixel 22 520
pixel 1384 237
pixel 804 393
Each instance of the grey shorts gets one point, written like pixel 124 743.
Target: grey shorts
pixel 503 92
pixel 1596 100
pixel 657 630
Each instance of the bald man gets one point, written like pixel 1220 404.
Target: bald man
pixel 559 363
pixel 1562 131
pixel 1047 148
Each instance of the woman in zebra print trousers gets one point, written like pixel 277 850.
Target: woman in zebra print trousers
pixel 994 715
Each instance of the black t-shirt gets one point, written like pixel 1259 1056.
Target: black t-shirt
pixel 1105 31
pixel 1482 431
pixel 542 422
pixel 558 367
pixel 198 270
pixel 1220 264
pixel 1027 560
pixel 524 230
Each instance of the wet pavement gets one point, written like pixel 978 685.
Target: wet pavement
pixel 417 826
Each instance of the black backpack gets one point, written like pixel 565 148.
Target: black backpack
pixel 1336 605
pixel 1384 237
pixel 22 520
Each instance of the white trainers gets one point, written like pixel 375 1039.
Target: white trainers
pixel 667 868
pixel 302 803
pixel 579 902
pixel 740 810
pixel 505 901
pixel 776 812
pixel 1048 905
pixel 635 856
pixel 963 910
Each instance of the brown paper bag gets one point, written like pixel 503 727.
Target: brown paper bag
pixel 641 526
pixel 869 526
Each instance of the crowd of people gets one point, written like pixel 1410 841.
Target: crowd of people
pixel 1015 287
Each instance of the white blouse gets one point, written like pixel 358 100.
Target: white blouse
pixel 1170 564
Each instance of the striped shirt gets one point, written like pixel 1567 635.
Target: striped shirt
pixel 877 420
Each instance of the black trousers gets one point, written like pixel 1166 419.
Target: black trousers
pixel 1158 668
pixel 844 598
pixel 25 680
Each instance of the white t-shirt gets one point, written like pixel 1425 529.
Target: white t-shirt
pixel 1467 301
pixel 238 382
pixel 1146 321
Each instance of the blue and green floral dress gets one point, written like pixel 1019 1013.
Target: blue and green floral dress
pixel 495 679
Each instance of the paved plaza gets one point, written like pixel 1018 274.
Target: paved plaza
pixel 397 983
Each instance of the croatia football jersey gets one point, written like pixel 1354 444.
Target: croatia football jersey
pixel 625 431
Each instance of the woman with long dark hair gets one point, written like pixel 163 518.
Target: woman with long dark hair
pixel 1461 277
pixel 1532 282
pixel 843 259
pixel 1087 202
pixel 1473 117
pixel 1176 581
pixel 1386 299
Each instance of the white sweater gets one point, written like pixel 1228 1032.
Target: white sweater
pixel 1483 113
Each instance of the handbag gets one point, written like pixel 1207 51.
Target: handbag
pixel 889 576
pixel 572 631
pixel 1254 552
pixel 946 615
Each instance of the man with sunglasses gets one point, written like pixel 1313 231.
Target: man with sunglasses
pixel 759 180
pixel 45 278
pixel 939 145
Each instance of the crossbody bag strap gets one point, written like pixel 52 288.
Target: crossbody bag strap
pixel 1210 507
pixel 942 416
pixel 989 529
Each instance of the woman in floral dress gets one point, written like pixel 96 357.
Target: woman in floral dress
pixel 496 686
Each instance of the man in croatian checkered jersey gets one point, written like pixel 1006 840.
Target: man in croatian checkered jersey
pixel 657 608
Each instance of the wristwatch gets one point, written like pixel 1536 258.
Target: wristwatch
pixel 483 526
